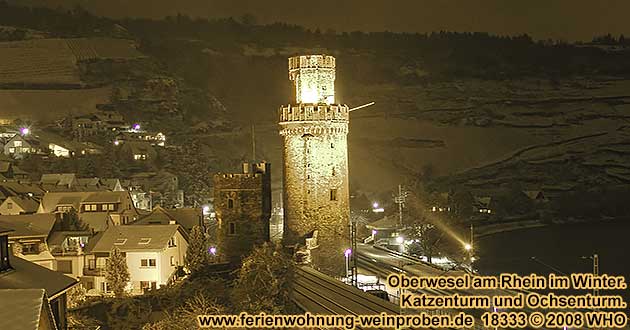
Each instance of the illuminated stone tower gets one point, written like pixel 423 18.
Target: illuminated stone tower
pixel 315 150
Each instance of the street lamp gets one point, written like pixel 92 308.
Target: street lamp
pixel 400 239
pixel 467 247
pixel 25 130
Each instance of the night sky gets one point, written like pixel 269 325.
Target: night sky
pixel 557 19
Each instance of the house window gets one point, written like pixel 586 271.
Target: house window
pixel 232 229
pixel 172 242
pixel 333 194
pixel 104 287
pixel 145 285
pixel 147 263
pixel 90 207
pixel 9 205
pixel 17 143
pixel 30 248
pixel 107 207
pixel 120 241
pixel 172 261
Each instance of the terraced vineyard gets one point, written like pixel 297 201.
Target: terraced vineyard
pixel 38 63
pixel 103 48
pixel 52 63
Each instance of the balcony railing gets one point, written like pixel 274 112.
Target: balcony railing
pixel 97 271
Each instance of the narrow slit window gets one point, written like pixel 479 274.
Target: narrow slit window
pixel 232 228
pixel 333 194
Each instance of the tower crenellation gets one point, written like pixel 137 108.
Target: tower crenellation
pixel 315 167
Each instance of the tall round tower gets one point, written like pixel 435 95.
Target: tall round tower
pixel 315 151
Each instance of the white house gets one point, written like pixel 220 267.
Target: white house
pixel 154 254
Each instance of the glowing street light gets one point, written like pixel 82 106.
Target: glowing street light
pixel 25 130
pixel 400 239
pixel 374 232
pixel 375 205
pixel 467 247
pixel 213 251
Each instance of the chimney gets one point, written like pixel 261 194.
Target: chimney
pixel 245 168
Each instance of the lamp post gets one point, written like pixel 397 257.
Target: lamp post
pixel 347 253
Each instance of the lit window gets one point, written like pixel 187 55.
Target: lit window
pixel 172 261
pixel 144 241
pixel 333 194
pixel 30 248
pixel 9 205
pixel 120 241
pixel 17 143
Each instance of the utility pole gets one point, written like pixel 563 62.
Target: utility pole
pixel 353 256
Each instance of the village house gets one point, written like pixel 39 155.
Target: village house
pixel 19 274
pixel 25 190
pixel 58 181
pixel 185 217
pixel 98 210
pixel 68 248
pixel 21 145
pixel 95 123
pixel 155 139
pixel 162 188
pixel 483 204
pixel 15 205
pixel 8 171
pixel 139 150
pixel 25 309
pixel 154 253
pixel 29 236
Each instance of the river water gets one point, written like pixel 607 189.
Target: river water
pixel 559 247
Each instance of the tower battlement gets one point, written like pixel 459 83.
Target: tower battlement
pixel 313 77
pixel 314 112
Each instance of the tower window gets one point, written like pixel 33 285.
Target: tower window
pixel 232 229
pixel 333 194
pixel 230 203
pixel 334 172
pixel 332 145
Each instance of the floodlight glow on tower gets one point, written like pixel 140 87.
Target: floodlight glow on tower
pixel 314 78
